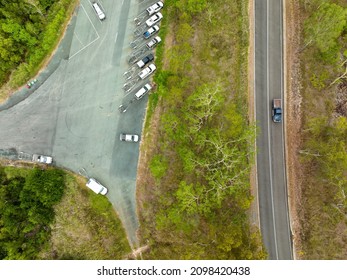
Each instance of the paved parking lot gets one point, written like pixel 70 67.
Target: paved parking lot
pixel 73 112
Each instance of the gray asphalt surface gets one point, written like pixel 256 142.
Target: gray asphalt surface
pixel 272 192
pixel 72 113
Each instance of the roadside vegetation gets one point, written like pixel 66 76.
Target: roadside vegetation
pixel 46 214
pixel 194 197
pixel 29 31
pixel 323 151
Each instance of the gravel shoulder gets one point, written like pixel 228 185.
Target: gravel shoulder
pixel 293 119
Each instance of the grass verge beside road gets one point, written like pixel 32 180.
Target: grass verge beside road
pixel 193 190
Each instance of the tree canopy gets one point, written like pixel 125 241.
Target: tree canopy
pixel 26 211
pixel 28 29
pixel 325 26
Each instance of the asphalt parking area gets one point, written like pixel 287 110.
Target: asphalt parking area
pixel 73 114
pixel 85 33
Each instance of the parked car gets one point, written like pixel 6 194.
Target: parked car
pixel 96 187
pixel 154 19
pixel 129 137
pixel 142 91
pixel 155 8
pixel 154 29
pixel 42 159
pixel 145 60
pixel 147 71
pixel 155 41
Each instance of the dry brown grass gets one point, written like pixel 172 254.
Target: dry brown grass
pixel 293 119
pixel 85 227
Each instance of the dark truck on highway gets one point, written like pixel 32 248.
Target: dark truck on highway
pixel 277 110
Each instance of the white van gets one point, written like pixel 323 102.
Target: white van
pixel 142 91
pixel 96 187
pixel 98 11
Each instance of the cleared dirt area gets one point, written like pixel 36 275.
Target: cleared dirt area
pixel 147 149
pixel 254 210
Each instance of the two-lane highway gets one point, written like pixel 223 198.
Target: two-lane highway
pixel 272 190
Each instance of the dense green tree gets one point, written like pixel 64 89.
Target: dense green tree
pixel 28 30
pixel 326 149
pixel 26 210
pixel 325 25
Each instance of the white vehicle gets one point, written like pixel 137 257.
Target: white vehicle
pixel 147 71
pixel 154 19
pixel 155 8
pixel 145 60
pixel 152 43
pixel 129 137
pixel 96 187
pixel 98 11
pixel 154 29
pixel 42 159
pixel 142 91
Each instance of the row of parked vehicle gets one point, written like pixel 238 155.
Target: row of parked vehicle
pixel 156 16
pixel 146 71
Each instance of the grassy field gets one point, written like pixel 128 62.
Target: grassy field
pixel 323 150
pixel 194 191
pixel 85 225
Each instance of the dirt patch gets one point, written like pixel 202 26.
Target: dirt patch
pixel 169 42
pixel 341 100
pixel 137 254
pixel 254 209
pixel 21 164
pixel 147 149
pixel 293 118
